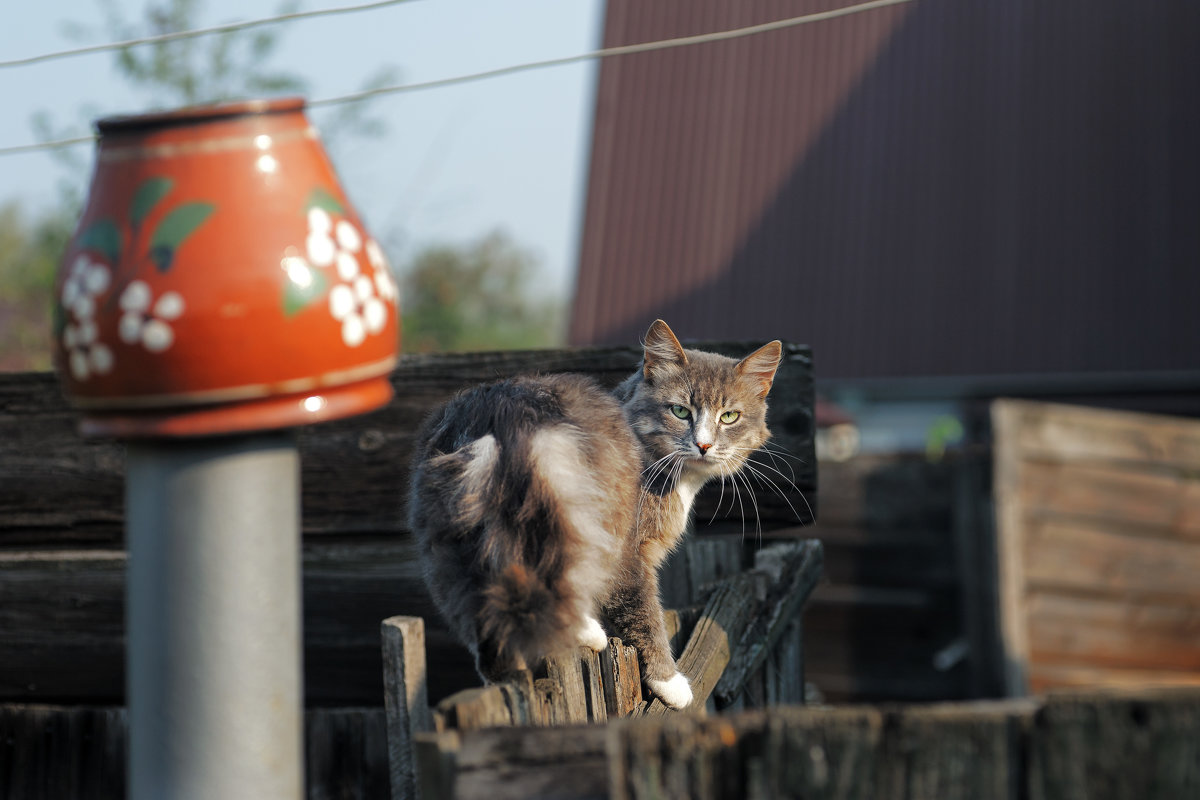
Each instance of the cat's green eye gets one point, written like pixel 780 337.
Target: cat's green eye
pixel 730 416
pixel 683 412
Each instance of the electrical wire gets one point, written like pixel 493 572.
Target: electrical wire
pixel 228 27
pixel 608 52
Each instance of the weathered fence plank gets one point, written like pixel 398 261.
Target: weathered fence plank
pixel 708 651
pixel 794 570
pixel 346 754
pixel 1143 746
pixel 1098 538
pixel 516 764
pixel 567 671
pixel 48 752
pixel 80 752
pixel 621 678
pixel 953 752
pixel 62 608
pixel 406 697
pixel 56 488
pixel 1104 746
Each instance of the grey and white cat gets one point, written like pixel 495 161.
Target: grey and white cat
pixel 544 505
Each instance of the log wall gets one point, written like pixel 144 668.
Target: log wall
pixel 1099 543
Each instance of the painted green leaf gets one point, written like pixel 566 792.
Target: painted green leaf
pixel 320 198
pixel 146 197
pixel 103 237
pixel 176 226
pixel 305 285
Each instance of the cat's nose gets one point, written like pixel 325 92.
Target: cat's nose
pixel 703 447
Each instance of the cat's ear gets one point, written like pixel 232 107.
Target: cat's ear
pixel 662 353
pixel 760 366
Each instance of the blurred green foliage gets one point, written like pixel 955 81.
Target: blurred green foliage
pixel 478 296
pixel 481 296
pixel 29 250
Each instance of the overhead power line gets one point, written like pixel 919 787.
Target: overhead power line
pixel 607 52
pixel 622 50
pixel 227 27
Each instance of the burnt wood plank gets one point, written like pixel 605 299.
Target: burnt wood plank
pixel 59 609
pixel 711 644
pixel 58 489
pixel 346 754
pixel 796 568
pixel 953 751
pixel 1140 744
pixel 52 752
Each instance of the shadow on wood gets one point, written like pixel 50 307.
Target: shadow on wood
pixel 743 621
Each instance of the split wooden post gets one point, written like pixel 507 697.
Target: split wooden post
pixel 795 570
pixel 406 699
pixel 712 642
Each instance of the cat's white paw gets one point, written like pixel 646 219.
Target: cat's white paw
pixel 675 692
pixel 591 635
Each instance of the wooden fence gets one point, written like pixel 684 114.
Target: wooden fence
pixel 1137 746
pixel 742 648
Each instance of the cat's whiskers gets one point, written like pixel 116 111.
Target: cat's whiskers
pixel 779 450
pixel 650 475
pixel 721 498
pixel 757 468
pixel 769 453
pixel 754 502
pixel 656 468
pixel 737 494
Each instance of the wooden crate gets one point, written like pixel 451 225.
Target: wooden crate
pixel 1098 543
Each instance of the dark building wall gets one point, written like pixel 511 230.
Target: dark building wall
pixel 946 187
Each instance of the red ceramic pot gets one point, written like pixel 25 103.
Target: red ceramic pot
pixel 219 280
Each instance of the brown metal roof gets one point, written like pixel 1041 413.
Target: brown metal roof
pixel 997 186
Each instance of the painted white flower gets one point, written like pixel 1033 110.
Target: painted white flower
pixel 360 297
pixel 348 236
pixel 86 354
pixel 385 284
pixel 358 309
pixel 320 245
pixel 147 321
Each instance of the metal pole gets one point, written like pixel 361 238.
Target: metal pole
pixel 213 619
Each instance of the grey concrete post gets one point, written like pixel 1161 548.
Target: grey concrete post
pixel 213 619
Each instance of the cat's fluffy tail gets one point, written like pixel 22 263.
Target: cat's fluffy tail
pixel 525 497
pixel 521 613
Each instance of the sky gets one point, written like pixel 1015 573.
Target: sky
pixel 453 164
